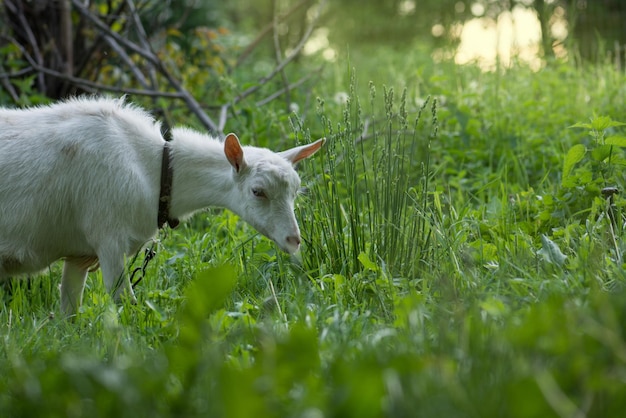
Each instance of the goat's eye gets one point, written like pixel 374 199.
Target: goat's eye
pixel 258 193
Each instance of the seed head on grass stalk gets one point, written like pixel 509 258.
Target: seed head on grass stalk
pixel 373 197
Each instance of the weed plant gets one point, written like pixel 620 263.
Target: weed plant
pixel 462 256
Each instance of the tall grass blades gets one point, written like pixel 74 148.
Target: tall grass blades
pixel 371 212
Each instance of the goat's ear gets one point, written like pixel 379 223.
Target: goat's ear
pixel 304 151
pixel 234 152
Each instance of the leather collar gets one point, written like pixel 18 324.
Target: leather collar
pixel 165 195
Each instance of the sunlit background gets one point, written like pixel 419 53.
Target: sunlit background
pixel 489 33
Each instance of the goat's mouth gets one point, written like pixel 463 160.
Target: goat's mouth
pixel 289 248
pixel 285 245
pixel 289 244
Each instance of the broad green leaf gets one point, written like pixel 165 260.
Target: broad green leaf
pixel 240 396
pixel 602 152
pixel 618 160
pixel 581 125
pixel 600 123
pixel 618 140
pixel 551 252
pixel 584 176
pixel 574 155
pixel 208 292
pixel 494 307
pixel 204 295
pixel 614 123
pixel 367 263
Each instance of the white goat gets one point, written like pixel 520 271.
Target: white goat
pixel 81 180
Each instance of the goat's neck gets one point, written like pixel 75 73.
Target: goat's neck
pixel 202 176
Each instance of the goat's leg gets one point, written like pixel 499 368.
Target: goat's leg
pixel 116 282
pixel 72 285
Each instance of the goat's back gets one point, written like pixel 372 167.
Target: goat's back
pixel 72 174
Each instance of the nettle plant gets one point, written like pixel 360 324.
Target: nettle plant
pixel 599 165
pixel 592 192
pixel 593 173
pixel 585 216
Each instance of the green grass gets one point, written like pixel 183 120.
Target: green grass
pixel 450 267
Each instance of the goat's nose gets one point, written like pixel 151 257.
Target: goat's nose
pixel 294 240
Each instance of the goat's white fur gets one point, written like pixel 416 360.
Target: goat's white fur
pixel 80 180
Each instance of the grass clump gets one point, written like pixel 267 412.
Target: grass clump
pixel 371 186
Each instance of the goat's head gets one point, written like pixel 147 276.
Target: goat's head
pixel 267 185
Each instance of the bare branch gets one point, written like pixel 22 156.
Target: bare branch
pixel 224 108
pixel 89 85
pixel 290 87
pixel 143 37
pixel 30 37
pixel 189 100
pixel 4 79
pixel 294 53
pixel 104 28
pixel 129 62
pixel 87 56
pixel 17 74
pixel 278 56
pixel 66 37
pixel 150 64
pixel 266 30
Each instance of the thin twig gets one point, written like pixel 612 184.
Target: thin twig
pixel 128 61
pixel 115 17
pixel 145 72
pixel 67 45
pixel 296 51
pixel 90 85
pixel 265 31
pixel 31 40
pixel 143 38
pixel 224 108
pixel 17 74
pixel 104 28
pixel 9 87
pixel 189 100
pixel 278 56
pixel 291 86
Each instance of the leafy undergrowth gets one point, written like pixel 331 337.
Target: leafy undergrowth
pixel 462 256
